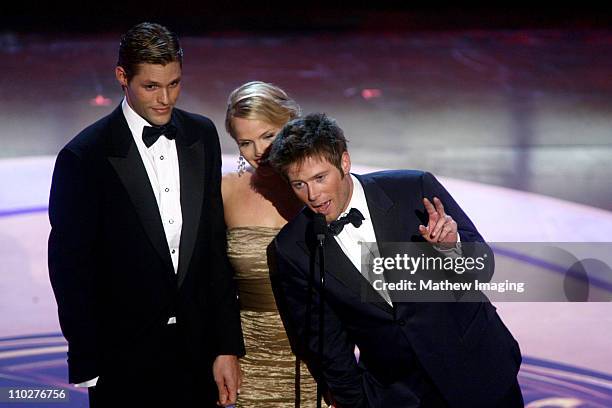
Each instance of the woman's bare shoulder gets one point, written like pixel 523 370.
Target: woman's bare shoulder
pixel 228 184
pixel 232 182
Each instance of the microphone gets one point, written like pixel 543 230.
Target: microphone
pixel 319 228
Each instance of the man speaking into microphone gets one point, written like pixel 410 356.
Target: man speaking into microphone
pixel 412 354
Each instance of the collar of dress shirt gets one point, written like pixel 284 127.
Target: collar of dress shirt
pixel 358 200
pixel 135 122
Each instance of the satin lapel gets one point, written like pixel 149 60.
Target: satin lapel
pixel 388 221
pixel 338 265
pixel 191 155
pixel 124 157
pixel 380 206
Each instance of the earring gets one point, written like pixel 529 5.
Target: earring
pixel 241 165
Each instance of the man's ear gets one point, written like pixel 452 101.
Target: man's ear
pixel 121 76
pixel 345 162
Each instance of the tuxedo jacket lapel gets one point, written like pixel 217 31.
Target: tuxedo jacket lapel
pixel 389 226
pixel 380 205
pixel 385 219
pixel 191 156
pixel 124 157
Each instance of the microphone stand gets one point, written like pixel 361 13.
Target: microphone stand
pixel 320 230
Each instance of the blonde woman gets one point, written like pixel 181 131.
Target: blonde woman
pixel 257 204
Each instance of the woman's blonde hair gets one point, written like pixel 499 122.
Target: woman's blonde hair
pixel 260 101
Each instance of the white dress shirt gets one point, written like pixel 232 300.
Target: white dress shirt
pixel 162 166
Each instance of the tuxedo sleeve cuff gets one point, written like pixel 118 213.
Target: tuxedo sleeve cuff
pixel 87 384
pixel 453 252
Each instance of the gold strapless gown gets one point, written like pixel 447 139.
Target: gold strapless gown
pixel 269 366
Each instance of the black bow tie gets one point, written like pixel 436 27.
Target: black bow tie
pixel 354 216
pixel 150 134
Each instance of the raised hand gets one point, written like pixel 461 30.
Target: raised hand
pixel 441 227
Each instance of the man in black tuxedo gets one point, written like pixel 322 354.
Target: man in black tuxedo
pixel 411 354
pixel 137 247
